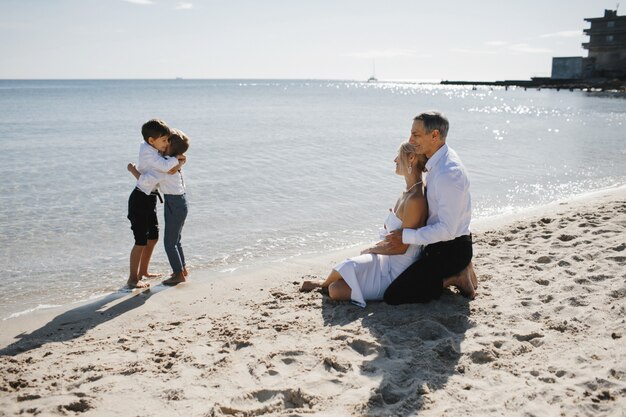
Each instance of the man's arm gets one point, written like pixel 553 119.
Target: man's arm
pixel 452 196
pixel 415 213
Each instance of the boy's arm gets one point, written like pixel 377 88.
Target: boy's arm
pixel 181 161
pixel 150 160
pixel 133 170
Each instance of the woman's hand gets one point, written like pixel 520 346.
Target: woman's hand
pixel 394 238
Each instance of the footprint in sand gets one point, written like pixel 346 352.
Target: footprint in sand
pixel 331 362
pixel 544 260
pixel 578 301
pixel 599 278
pixel 79 406
pixel 619 259
pixel 619 248
pixel 174 394
pixel 618 294
pixel 482 357
pixel 527 337
pixel 566 238
pixel 431 330
pixel 287 362
pixel 363 347
pixel 262 402
pixel 447 350
pixel 546 298
pixel 392 394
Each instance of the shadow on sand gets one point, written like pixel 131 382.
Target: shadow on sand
pixel 76 322
pixel 418 349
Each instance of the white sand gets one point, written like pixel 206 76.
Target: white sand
pixel 544 337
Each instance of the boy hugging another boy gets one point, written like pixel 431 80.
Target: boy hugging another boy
pixel 142 201
pixel 172 186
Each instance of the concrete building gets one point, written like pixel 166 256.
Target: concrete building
pixel 607 51
pixel 572 68
pixel 607 44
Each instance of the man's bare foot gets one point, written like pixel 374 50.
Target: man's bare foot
pixel 132 283
pixel 149 275
pixel 463 282
pixel 310 286
pixel 473 276
pixel 175 280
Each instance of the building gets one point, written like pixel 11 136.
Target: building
pixel 607 51
pixel 572 68
pixel 607 44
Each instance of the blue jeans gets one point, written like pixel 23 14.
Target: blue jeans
pixel 175 210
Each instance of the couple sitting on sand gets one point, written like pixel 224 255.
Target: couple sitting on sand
pixel 426 242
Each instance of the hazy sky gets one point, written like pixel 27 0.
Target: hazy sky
pixel 321 39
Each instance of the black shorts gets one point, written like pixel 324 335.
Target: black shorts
pixel 143 217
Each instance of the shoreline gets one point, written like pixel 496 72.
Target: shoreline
pixel 217 274
pixel 543 337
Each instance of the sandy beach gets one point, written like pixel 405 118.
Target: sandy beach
pixel 545 336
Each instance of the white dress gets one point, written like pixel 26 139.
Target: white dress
pixel 369 275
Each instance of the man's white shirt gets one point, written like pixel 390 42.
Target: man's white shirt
pixel 449 201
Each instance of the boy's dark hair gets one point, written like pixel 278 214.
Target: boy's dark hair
pixel 179 143
pixel 155 128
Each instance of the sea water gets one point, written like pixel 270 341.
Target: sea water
pixel 276 169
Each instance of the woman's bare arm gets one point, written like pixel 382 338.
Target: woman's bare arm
pixel 414 216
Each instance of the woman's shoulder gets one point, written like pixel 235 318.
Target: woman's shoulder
pixel 416 198
pixel 414 202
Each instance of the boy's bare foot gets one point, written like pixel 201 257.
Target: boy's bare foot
pixel 149 275
pixel 131 283
pixel 310 285
pixel 175 279
pixel 185 273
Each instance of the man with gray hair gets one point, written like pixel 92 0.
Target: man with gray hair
pixel 447 241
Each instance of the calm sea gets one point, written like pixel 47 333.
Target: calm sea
pixel 276 169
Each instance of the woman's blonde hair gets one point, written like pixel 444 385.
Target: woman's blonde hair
pixel 406 149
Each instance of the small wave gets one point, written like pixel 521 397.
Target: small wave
pixel 30 310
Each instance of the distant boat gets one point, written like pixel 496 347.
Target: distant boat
pixel 179 78
pixel 373 78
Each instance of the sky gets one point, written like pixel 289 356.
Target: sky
pixel 414 40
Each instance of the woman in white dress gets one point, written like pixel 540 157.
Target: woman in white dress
pixel 366 277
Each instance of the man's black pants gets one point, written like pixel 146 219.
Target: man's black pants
pixel 423 280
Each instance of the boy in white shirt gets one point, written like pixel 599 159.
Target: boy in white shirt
pixel 142 201
pixel 175 210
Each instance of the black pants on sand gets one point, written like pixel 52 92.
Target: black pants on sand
pixel 423 280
